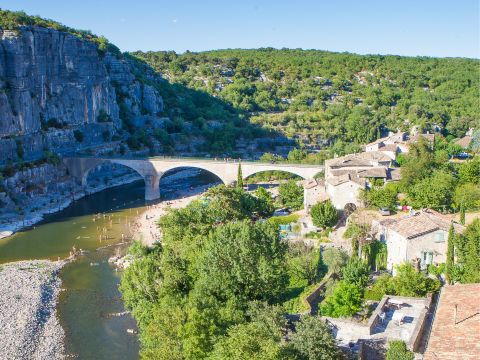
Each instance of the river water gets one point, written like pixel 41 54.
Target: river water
pixel 90 283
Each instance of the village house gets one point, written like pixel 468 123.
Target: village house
pixel 391 145
pixel 418 237
pixel 345 176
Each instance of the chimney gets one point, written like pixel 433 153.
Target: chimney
pixel 455 315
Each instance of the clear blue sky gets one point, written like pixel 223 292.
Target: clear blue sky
pixel 403 27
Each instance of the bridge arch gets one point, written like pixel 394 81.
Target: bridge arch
pixel 80 168
pixel 213 168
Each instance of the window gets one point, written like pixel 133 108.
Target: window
pixel 426 259
pixel 439 236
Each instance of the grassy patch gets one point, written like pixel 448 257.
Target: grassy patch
pixel 284 220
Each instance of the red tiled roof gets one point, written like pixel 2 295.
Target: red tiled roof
pixel 456 338
pixel 464 142
pixel 423 222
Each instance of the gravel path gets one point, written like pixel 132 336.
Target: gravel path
pixel 28 296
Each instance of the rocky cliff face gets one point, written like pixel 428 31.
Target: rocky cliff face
pixel 60 94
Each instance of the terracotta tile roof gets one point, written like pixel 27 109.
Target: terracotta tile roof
pixel 357 160
pixel 428 137
pixel 338 180
pixel 423 222
pixel 392 139
pixel 378 172
pixel 456 338
pixel 464 142
pixel 394 174
pixel 388 147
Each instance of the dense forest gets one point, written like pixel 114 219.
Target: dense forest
pixel 322 97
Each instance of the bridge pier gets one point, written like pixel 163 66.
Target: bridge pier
pixel 152 186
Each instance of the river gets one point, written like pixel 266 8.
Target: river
pixel 90 283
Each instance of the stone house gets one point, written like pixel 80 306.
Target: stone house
pixel 390 145
pixel 345 176
pixel 417 237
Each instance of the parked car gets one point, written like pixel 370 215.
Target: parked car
pixel 281 212
pixel 463 155
pixel 384 211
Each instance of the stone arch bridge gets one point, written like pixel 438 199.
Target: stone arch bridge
pixel 152 169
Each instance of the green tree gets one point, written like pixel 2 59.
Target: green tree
pixel 433 192
pixel 397 350
pixel 469 171
pixel 381 197
pixel 468 254
pixel 296 155
pixel 239 177
pixel 304 262
pixel 246 261
pixel 467 196
pixel 334 259
pixel 324 214
pixel 266 199
pixel 408 282
pixel 291 195
pixel 450 263
pixel 345 300
pixel 313 340
pixel 259 339
pixel 356 272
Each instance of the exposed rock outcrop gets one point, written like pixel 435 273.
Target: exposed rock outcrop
pixel 60 93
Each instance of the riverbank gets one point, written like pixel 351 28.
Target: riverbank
pixel 145 227
pixel 28 296
pixel 55 204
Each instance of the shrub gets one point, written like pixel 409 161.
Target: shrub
pixel 382 286
pixel 103 116
pixel 397 350
pixel 324 214
pixel 346 300
pixel 334 259
pixel 78 135
pixel 356 272
pixel 408 282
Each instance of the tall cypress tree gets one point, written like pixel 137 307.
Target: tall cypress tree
pixel 239 177
pixel 462 214
pixel 450 263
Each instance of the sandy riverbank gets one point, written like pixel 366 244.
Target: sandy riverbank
pixel 145 226
pixel 28 297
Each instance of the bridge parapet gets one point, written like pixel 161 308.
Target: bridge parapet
pixel 152 169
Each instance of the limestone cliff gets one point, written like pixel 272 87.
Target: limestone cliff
pixel 59 93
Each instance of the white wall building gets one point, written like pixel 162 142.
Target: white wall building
pixel 421 236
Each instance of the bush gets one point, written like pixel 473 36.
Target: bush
pixel 334 259
pixel 324 214
pixel 284 220
pixel 356 272
pixel 78 135
pixel 382 286
pixel 346 300
pixel 397 350
pixel 408 282
pixel 436 270
pixel 103 116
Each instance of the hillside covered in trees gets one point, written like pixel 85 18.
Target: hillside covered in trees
pixel 322 98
